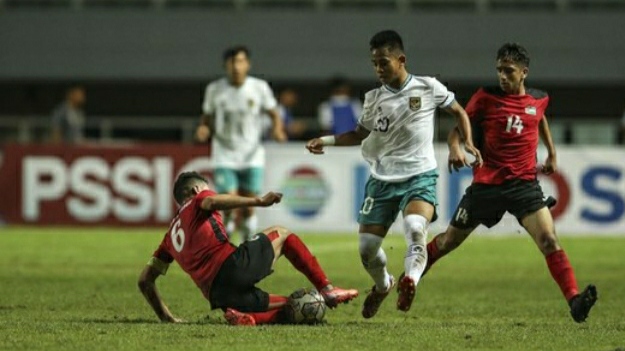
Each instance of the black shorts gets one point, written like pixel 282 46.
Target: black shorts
pixel 486 204
pixel 235 283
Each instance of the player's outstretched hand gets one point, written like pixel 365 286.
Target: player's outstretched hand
pixel 270 198
pixel 315 146
pixel 550 165
pixel 456 159
pixel 476 153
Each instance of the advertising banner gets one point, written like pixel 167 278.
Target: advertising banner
pixel 132 185
pixel 94 185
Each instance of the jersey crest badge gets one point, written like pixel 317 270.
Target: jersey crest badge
pixel 415 103
pixel 530 110
pixel 250 103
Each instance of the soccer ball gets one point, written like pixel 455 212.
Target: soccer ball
pixel 305 306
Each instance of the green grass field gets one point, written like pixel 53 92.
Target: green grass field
pixel 75 289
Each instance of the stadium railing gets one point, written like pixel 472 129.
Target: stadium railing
pixel 581 131
pixel 394 5
pixel 105 129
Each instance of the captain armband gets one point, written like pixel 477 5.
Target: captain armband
pixel 159 265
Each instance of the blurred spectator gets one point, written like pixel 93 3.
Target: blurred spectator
pixel 68 119
pixel 340 113
pixel 295 128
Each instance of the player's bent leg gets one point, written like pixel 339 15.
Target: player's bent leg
pixel 417 216
pixel 539 225
pixel 374 260
pixel 293 248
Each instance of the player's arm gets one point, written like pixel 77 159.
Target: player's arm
pixel 352 138
pixel 277 125
pixel 204 129
pixel 463 132
pixel 550 165
pixel 219 202
pixel 147 285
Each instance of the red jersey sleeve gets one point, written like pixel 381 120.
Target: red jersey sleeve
pixel 162 253
pixel 201 196
pixel 475 106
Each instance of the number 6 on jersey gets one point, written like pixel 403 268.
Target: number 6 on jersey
pixel 177 236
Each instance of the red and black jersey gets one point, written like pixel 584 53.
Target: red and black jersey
pixel 506 130
pixel 197 240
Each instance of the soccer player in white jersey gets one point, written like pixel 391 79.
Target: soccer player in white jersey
pixel 233 112
pixel 396 133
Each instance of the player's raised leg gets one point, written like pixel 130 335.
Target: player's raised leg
pixel 286 243
pixel 417 215
pixel 539 225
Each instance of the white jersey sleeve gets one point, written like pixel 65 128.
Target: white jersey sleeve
pixel 268 101
pixel 442 97
pixel 208 107
pixel 367 118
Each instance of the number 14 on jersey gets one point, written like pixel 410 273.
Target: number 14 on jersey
pixel 514 122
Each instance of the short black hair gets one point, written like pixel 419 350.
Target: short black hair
pixel 233 51
pixel 185 183
pixel 514 52
pixel 386 38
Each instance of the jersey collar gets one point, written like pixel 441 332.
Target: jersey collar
pixel 395 91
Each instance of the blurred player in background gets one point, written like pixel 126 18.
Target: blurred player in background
pixel 508 120
pixel 227 275
pixel 233 112
pixel 396 132
pixel 68 119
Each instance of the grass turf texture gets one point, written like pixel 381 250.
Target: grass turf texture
pixel 75 289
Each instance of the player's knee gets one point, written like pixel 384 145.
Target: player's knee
pixel 415 228
pixel 548 243
pixel 368 246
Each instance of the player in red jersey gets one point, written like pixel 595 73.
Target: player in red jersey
pixel 227 275
pixel 507 121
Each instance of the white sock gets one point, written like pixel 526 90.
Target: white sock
pixel 249 227
pixel 374 260
pixel 415 230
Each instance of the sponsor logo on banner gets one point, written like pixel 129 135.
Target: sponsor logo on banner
pixel 305 192
pixel 104 185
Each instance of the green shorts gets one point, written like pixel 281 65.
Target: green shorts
pixel 383 200
pixel 228 180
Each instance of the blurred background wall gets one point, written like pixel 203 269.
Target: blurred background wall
pixel 148 58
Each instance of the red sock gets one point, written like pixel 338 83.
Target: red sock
pixel 301 258
pixel 562 273
pixel 433 254
pixel 267 317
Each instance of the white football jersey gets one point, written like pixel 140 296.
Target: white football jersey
pixel 238 113
pixel 401 123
